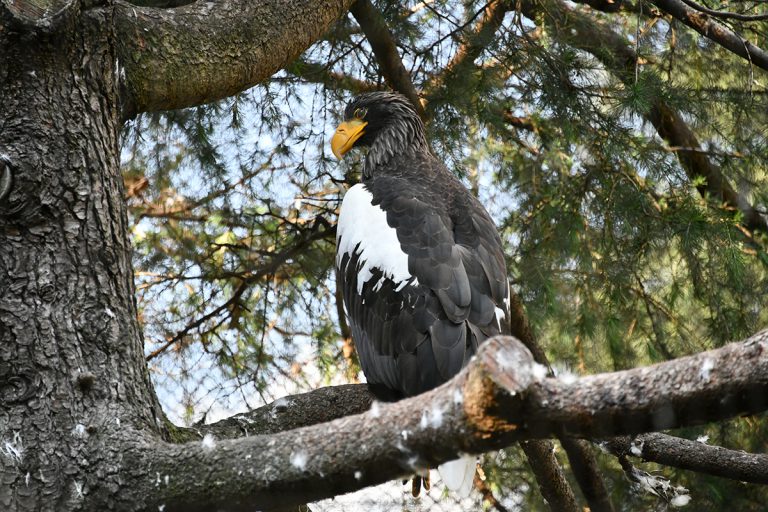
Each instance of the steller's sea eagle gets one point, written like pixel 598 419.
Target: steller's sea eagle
pixel 418 258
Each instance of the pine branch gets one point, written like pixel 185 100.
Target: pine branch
pixel 385 50
pixel 318 73
pixel 482 34
pixel 316 232
pixel 725 14
pixel 618 57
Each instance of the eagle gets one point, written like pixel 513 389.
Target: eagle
pixel 418 258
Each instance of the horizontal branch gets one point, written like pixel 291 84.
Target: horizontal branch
pixel 726 15
pixel 694 455
pixel 288 413
pixel 206 51
pixel 499 398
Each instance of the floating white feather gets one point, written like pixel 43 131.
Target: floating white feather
pixel 458 475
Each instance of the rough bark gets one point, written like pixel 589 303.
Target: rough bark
pixel 71 369
pixel 39 14
pixel 206 51
pixel 549 477
pixel 693 455
pixel 75 394
pixel 498 399
pixel 318 406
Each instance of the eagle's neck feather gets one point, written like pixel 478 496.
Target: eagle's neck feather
pixel 399 138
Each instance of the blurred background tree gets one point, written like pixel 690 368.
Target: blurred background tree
pixel 623 156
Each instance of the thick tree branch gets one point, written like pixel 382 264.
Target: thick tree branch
pixel 715 31
pixel 499 398
pixel 694 455
pixel 384 48
pixel 205 51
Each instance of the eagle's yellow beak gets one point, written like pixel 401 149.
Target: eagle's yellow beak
pixel 346 134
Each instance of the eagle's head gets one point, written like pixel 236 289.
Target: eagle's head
pixel 384 121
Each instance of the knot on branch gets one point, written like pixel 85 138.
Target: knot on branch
pixel 18 385
pixel 495 386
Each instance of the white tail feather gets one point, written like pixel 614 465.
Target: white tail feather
pixel 458 474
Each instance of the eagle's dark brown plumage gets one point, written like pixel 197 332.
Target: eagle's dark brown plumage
pixel 418 257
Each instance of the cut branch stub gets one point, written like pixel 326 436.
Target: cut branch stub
pixel 491 393
pixel 40 14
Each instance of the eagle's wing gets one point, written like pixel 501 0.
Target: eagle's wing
pixel 422 286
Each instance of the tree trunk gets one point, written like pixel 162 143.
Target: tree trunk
pixel 72 376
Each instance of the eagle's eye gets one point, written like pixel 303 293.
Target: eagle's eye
pixel 360 113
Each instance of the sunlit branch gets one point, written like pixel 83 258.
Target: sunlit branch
pixel 498 399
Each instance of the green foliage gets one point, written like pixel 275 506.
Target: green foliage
pixel 618 258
